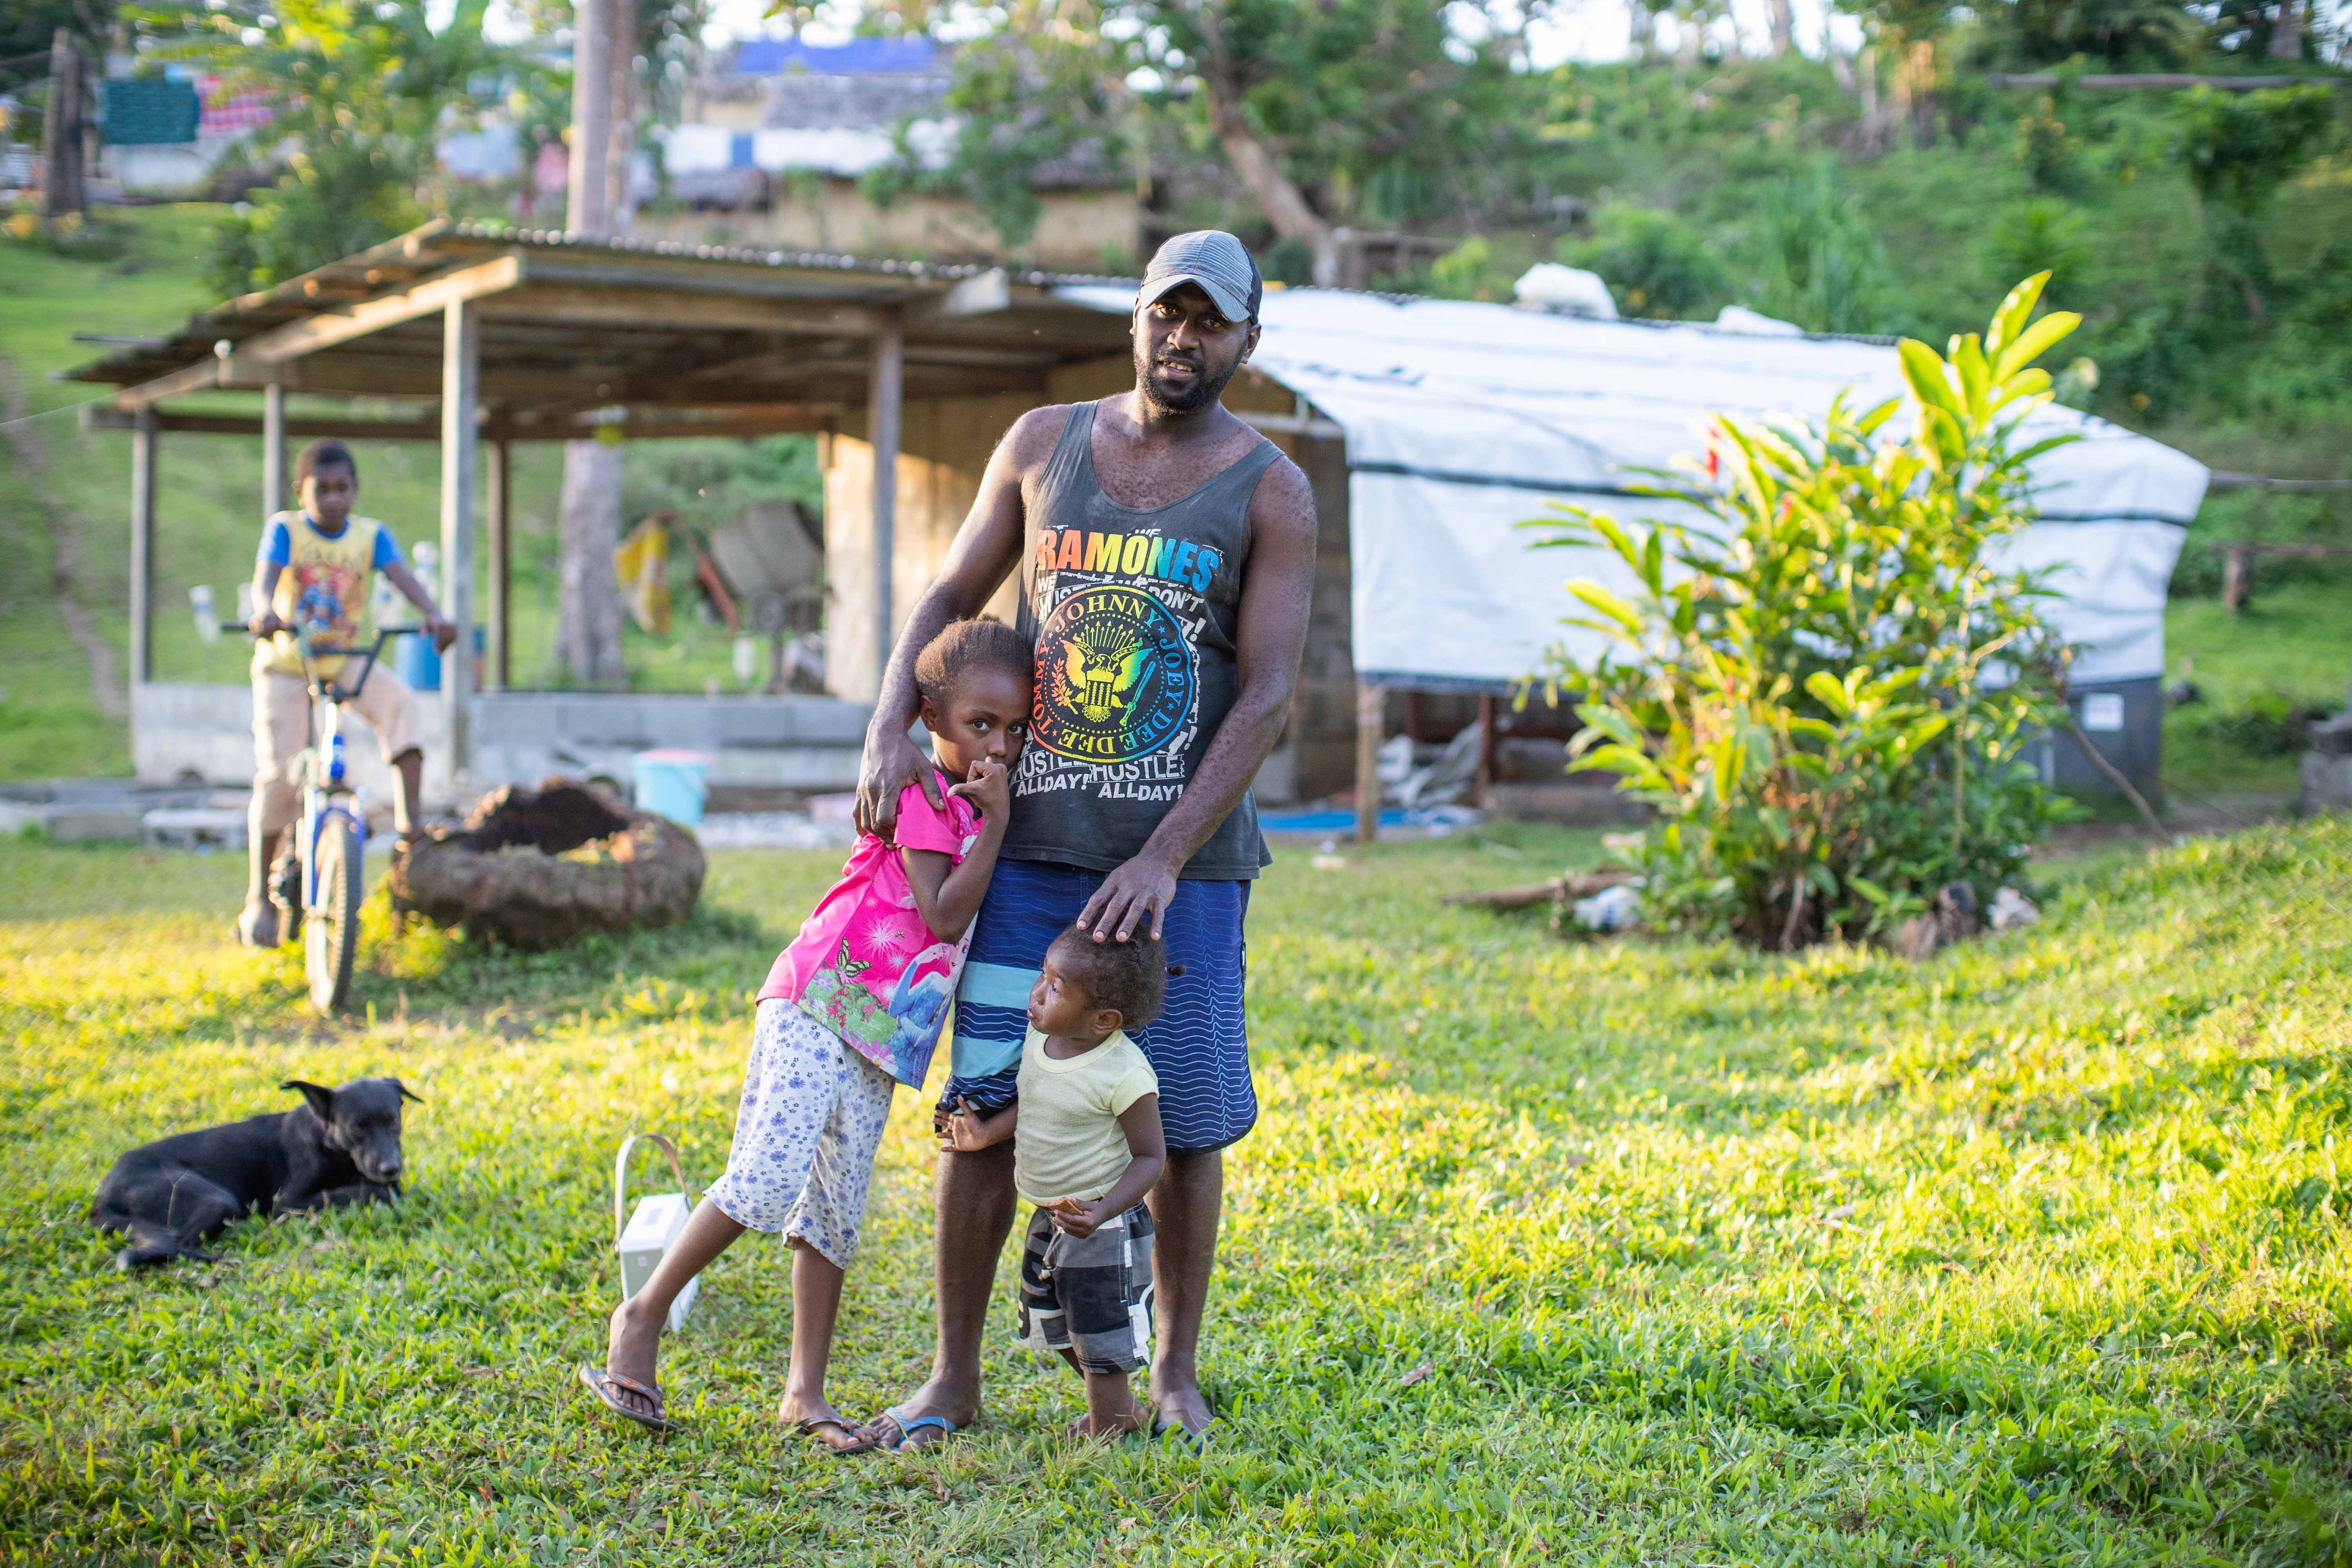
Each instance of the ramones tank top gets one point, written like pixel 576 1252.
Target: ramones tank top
pixel 1132 612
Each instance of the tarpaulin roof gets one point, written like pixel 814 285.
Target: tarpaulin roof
pixel 1464 419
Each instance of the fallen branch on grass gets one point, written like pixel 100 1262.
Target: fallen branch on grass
pixel 1575 884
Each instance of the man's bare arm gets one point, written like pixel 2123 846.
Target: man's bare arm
pixel 1269 645
pixel 986 548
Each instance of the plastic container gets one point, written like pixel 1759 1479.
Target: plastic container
pixel 643 1237
pixel 418 663
pixel 672 783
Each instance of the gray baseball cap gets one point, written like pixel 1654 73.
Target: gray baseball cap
pixel 1215 260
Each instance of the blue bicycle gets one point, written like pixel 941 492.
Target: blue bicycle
pixel 323 875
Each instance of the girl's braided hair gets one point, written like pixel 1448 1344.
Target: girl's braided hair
pixel 1130 976
pixel 976 644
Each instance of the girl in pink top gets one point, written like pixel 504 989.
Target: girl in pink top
pixel 852 1009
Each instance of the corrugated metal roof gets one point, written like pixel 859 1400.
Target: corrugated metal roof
pixel 523 327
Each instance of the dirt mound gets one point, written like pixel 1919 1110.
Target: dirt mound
pixel 538 868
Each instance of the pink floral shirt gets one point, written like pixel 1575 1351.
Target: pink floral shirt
pixel 865 966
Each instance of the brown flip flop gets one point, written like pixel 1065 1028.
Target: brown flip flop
pixel 866 1443
pixel 601 1384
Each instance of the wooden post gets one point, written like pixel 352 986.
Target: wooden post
pixel 144 446
pixel 497 667
pixel 2236 577
pixel 461 369
pixel 1371 700
pixel 886 387
pixel 273 448
pixel 63 127
pixel 1485 747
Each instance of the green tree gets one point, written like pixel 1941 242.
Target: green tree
pixel 27 27
pixel 2237 150
pixel 363 93
pixel 1655 263
pixel 1340 112
pixel 1822 689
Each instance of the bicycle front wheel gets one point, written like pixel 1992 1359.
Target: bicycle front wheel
pixel 331 930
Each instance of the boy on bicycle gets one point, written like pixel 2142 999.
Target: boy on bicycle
pixel 314 571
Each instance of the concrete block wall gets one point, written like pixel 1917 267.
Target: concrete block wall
pixel 188 730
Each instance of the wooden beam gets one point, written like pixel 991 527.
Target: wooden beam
pixel 2220 479
pixel 670 309
pixel 461 368
pixel 201 377
pixel 100 417
pixel 2160 79
pixel 324 331
pixel 143 452
pixel 883 412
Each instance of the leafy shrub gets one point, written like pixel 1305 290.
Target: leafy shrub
pixel 2041 236
pixel 1655 263
pixel 2051 158
pixel 1817 262
pixel 2266 724
pixel 75 235
pixel 2146 362
pixel 1822 689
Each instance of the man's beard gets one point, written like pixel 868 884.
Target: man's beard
pixel 1204 389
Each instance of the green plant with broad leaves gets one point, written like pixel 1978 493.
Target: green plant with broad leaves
pixel 1825 690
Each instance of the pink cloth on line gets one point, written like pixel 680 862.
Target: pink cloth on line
pixel 865 966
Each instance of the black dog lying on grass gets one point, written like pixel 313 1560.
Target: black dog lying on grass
pixel 342 1147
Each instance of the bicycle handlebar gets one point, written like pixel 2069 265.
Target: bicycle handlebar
pixel 302 640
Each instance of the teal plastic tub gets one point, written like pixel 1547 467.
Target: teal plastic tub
pixel 672 783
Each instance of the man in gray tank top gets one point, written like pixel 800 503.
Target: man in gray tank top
pixel 1166 553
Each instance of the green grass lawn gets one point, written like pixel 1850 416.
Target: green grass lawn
pixel 1542 1251
pixel 2292 646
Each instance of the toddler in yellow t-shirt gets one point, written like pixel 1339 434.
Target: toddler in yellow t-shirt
pixel 1090 1147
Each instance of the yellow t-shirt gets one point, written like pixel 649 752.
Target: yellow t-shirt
pixel 1069 1144
pixel 323 586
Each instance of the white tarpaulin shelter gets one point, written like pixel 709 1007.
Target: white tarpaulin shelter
pixel 1462 420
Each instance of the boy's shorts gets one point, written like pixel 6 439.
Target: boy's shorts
pixel 281 730
pixel 1198 1047
pixel 1091 1295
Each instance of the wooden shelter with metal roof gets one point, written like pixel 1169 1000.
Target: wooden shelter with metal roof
pixel 497 335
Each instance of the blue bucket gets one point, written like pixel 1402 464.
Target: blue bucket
pixel 672 783
pixel 418 662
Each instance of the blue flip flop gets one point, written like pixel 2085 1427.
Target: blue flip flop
pixel 1196 1441
pixel 909 1424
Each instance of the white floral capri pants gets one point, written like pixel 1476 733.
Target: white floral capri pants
pixel 805 1134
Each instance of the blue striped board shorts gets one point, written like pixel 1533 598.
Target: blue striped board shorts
pixel 1198 1047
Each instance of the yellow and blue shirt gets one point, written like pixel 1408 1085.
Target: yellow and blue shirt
pixel 323 588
